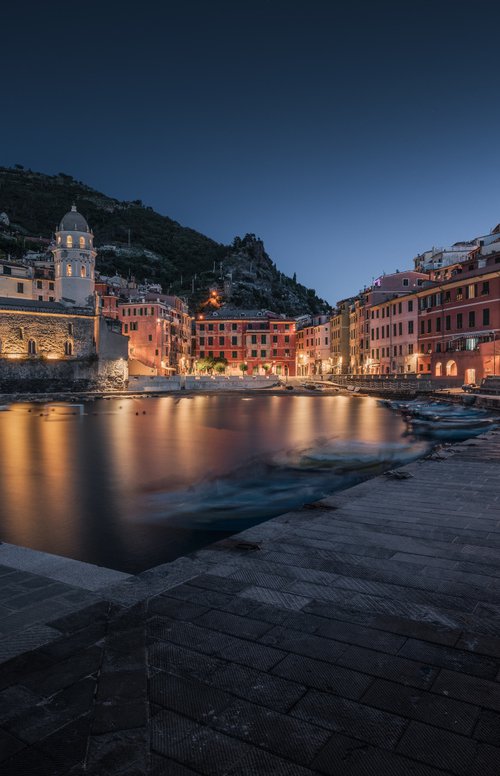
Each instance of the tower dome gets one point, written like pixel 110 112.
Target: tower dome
pixel 73 221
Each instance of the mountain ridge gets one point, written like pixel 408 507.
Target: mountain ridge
pixel 132 239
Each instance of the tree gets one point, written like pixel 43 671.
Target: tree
pixel 266 368
pixel 220 365
pixel 243 367
pixel 205 364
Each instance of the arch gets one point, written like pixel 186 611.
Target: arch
pixel 69 270
pixel 451 368
pixel 82 242
pixel 83 271
pixel 31 347
pixel 439 369
pixel 69 241
pixel 68 348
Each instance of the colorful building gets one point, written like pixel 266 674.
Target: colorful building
pixel 313 347
pixel 459 322
pixel 251 342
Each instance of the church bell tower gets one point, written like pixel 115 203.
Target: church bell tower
pixel 74 261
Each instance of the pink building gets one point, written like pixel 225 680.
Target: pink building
pixel 314 347
pixel 459 322
pixel 393 343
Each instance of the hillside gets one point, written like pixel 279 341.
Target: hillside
pixel 132 239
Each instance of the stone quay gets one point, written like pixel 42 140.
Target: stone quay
pixel 359 635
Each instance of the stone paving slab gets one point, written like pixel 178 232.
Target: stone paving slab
pixel 362 637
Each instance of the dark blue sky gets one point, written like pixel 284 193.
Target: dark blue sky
pixel 349 135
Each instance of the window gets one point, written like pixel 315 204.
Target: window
pixel 221 327
pixel 20 288
pixel 210 340
pixel 69 241
pixel 422 327
pixel 222 341
pixel 134 325
pixel 32 347
pixel 410 327
pixel 471 291
pixel 459 321
pixel 263 353
pixel 406 282
pixel 410 349
pixel 438 347
pixel 83 271
pixel 400 307
pixel 254 354
pixel 21 333
pixel 287 338
pixel 150 338
pixel 263 339
pixel 39 284
pixel 202 327
pixel 68 348
pixel 40 298
pixel 485 288
pixel 125 328
pixel 210 354
pixel 447 296
pixel 254 339
pixel 51 286
pixel 70 329
pixel 438 324
pixel 275 352
pixel 486 317
pixel 429 325
pixel 460 294
pixel 69 270
pixel 275 338
pixel 221 354
pixel 394 329
pixel 234 326
pixel 234 340
pixel 447 323
pixel 202 354
pixel 51 299
pixel 472 318
pixel 202 340
pixel 400 328
pixel 234 354
pixel 82 242
pixel 210 327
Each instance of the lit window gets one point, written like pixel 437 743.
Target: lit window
pixel 82 242
pixel 32 347
pixel 69 241
pixel 68 348
pixel 69 270
pixel 83 271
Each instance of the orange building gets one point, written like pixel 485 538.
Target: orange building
pixel 259 339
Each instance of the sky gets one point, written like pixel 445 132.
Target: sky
pixel 350 136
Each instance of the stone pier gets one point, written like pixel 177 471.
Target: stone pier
pixel 357 636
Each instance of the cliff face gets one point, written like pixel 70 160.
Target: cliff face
pixel 132 239
pixel 253 281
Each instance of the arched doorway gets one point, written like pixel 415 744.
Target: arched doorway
pixel 439 369
pixel 451 368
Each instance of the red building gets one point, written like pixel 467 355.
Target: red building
pixel 261 340
pixel 459 321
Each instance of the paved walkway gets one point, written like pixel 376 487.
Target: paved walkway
pixel 361 637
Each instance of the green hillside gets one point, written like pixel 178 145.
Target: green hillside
pixel 143 243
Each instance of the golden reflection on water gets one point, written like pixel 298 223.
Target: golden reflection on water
pixel 78 484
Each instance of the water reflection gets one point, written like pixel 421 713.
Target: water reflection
pixel 132 483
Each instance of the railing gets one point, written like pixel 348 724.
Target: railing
pixel 394 382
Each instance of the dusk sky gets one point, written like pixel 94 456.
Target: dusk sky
pixel 349 136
